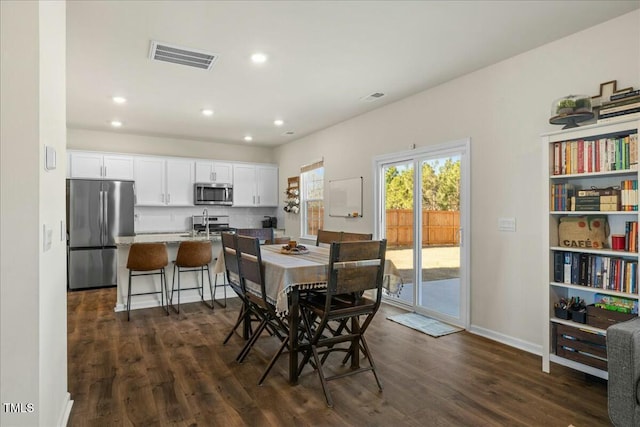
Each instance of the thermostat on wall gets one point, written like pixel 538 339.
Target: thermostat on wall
pixel 49 157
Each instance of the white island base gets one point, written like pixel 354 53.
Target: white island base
pixel 190 279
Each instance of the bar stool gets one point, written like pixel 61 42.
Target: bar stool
pixel 193 256
pixel 143 259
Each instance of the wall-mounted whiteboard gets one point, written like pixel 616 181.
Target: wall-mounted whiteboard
pixel 345 197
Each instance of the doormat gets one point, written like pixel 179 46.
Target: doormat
pixel 424 324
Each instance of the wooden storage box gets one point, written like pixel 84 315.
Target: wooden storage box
pixel 601 318
pixel 581 346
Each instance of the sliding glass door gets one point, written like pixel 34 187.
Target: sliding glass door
pixel 422 212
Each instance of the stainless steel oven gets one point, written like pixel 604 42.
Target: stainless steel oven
pixel 213 194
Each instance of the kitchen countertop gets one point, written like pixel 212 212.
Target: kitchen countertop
pixel 163 238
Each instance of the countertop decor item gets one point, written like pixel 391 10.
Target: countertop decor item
pixel 571 110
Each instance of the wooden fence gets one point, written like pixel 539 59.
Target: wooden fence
pixel 438 227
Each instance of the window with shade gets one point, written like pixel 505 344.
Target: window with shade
pixel 312 200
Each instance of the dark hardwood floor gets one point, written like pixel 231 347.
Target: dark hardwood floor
pixel 159 370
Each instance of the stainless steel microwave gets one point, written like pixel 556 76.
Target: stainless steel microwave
pixel 213 194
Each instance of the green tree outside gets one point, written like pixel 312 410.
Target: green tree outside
pixel 440 186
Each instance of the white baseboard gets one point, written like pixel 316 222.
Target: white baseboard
pixel 66 411
pixel 506 339
pixel 186 298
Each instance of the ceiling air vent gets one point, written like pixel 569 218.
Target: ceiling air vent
pixel 182 55
pixel 372 97
pixel 289 133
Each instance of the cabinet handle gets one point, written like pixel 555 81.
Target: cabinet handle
pixel 168 198
pixel 258 199
pixel 105 171
pixel 215 176
pixel 211 176
pixel 162 197
pixel 254 200
pixel 101 170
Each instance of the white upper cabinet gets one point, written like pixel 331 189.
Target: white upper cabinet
pixel 267 185
pixel 150 181
pixel 255 185
pixel 164 181
pixel 214 172
pixel 180 182
pixel 100 165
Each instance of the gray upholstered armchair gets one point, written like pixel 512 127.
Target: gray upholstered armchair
pixel 623 354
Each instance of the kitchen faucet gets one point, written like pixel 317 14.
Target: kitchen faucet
pixel 205 213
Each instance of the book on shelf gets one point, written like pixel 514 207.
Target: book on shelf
pixel 619 113
pixel 623 101
pixel 618 118
pixel 629 194
pixel 615 109
pixel 597 155
pixel 629 94
pixel 596 271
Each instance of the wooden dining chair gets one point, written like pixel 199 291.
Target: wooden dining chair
pixel 354 237
pixel 327 237
pixel 232 271
pixel 252 277
pixel 263 234
pixel 278 240
pixel 354 267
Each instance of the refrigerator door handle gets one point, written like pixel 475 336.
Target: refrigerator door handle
pixel 101 219
pixel 106 215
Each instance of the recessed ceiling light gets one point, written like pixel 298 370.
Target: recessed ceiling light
pixel 116 123
pixel 278 122
pixel 119 99
pixel 259 58
pixel 248 138
pixel 207 112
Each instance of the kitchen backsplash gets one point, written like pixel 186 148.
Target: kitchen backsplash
pixel 175 219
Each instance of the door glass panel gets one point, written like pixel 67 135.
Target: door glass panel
pixel 439 289
pixel 398 228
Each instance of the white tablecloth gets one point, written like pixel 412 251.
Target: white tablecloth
pixel 307 271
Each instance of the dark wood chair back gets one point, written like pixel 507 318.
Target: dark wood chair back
pixel 354 237
pixel 326 236
pixel 263 234
pixel 279 240
pixel 355 267
pixel 251 269
pixel 232 267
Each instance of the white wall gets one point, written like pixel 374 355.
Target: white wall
pixel 32 281
pixel 121 142
pixel 503 109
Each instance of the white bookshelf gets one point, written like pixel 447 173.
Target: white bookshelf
pixel 554 290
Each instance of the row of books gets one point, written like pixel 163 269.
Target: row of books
pixel 629 195
pixel 620 105
pixel 631 236
pixel 599 155
pixel 565 197
pixel 596 271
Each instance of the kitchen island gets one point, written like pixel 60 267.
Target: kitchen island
pixel 152 283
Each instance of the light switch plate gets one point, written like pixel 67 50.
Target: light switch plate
pixel 506 224
pixel 49 157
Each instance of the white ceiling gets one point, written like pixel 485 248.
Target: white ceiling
pixel 324 56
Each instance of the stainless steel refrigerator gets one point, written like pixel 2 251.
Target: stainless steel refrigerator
pixel 97 212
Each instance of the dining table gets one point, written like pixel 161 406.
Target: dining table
pixel 288 273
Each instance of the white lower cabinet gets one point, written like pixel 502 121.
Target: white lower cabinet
pixel 255 185
pixel 163 182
